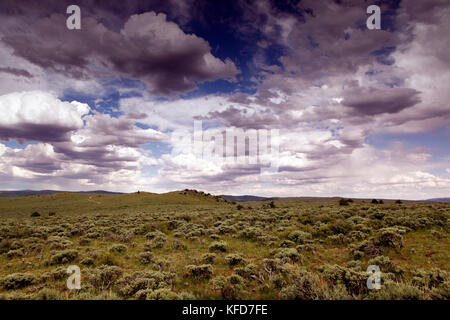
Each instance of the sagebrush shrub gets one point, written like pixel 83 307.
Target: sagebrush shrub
pixel 159 294
pixel 231 288
pixel 288 254
pixel 158 241
pixel 385 264
pixel 47 294
pixel 430 278
pixel 247 272
pixel 208 258
pixel 234 259
pixel 396 291
pixel 272 265
pixel 17 281
pixel 5 245
pixel 142 280
pixel 390 238
pixel 118 248
pixel 321 232
pixel 220 246
pixel 340 226
pixel 84 241
pixel 202 272
pixel 63 257
pixel 337 239
pixel 146 257
pixel 305 286
pixel 178 245
pixel 300 237
pixel 366 247
pixel 87 261
pixel 103 277
pixel 154 234
pixel 57 274
pixel 354 281
pixel 441 292
pixel 15 253
pixel 250 233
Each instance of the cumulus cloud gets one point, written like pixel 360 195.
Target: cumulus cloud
pixel 39 116
pixel 147 48
pixel 372 101
pixel 73 142
pixel 333 86
pixel 102 129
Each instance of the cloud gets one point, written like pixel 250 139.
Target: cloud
pixel 372 101
pixel 147 48
pixel 102 129
pixel 73 142
pixel 330 85
pixel 39 116
pixel 40 166
pixel 16 72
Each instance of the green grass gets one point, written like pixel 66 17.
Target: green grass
pixel 187 222
pixel 80 203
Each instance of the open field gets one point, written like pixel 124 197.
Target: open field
pixel 191 245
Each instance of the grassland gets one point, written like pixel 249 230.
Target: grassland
pixel 191 245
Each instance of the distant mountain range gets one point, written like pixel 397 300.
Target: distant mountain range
pixel 286 199
pixel 243 198
pixel 439 200
pixel 24 193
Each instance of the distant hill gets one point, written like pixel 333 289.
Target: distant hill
pixel 439 200
pixel 25 193
pixel 243 198
pixel 248 198
pixel 96 203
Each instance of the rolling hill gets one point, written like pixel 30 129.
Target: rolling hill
pixel 438 200
pixel 24 193
pixel 73 203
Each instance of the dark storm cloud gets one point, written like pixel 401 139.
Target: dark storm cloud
pixel 35 132
pixel 16 72
pixel 147 47
pixel 113 14
pixel 371 101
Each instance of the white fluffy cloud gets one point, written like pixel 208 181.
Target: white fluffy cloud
pixel 40 108
pixel 336 86
pixel 74 145
pixel 39 116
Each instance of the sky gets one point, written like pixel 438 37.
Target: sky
pixel 269 98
